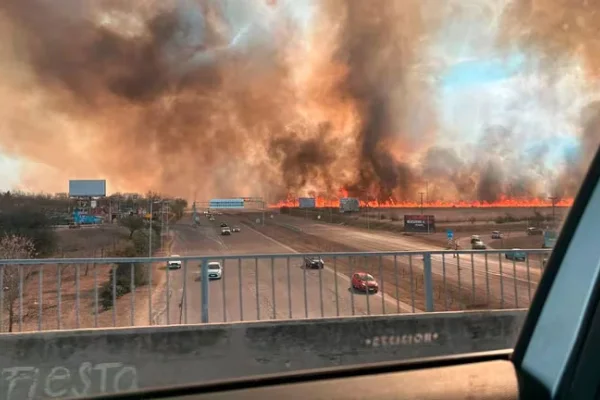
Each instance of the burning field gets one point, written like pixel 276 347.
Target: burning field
pixel 474 101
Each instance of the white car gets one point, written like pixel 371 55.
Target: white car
pixel 215 270
pixel 225 230
pixel 175 264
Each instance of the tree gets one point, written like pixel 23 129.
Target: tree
pixel 178 207
pixel 14 247
pixel 133 223
pixel 28 222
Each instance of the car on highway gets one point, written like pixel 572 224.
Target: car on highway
pixel 314 262
pixel 478 245
pixel 496 235
pixel 223 224
pixel 211 218
pixel 175 263
pixel 364 282
pixel 225 231
pixel 215 270
pixel 475 238
pixel 236 229
pixel 534 231
pixel 516 254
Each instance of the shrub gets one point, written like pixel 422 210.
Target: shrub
pixel 505 219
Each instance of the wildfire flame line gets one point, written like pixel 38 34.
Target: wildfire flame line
pixel 321 202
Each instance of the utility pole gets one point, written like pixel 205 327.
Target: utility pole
pixel 194 212
pixel 150 231
pixel 421 193
pixel 553 199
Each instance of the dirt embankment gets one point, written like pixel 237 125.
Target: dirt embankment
pixel 66 296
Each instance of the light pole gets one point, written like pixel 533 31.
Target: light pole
pixel 162 225
pixel 150 232
pixel 421 193
pixel 150 228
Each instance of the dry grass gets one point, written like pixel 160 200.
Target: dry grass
pixel 460 220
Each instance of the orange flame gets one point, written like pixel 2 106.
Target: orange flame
pixel 504 202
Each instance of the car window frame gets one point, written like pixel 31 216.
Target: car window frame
pixel 562 310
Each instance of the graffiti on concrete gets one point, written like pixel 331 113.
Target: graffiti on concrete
pixel 58 382
pixel 401 340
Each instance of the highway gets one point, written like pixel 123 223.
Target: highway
pixel 514 290
pixel 282 289
pixel 259 289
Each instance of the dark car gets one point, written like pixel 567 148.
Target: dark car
pixel 223 224
pixel 534 231
pixel 314 262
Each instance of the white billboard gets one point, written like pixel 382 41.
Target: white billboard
pixel 87 188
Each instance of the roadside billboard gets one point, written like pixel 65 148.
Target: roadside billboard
pixel 306 202
pixel 349 204
pixel 419 223
pixel 87 188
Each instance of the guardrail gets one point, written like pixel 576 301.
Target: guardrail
pixel 61 293
pixel 62 364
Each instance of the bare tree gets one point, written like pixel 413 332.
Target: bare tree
pixel 14 276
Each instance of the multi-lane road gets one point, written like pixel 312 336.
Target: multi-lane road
pixel 253 289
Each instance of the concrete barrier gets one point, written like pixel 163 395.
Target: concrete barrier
pixel 59 364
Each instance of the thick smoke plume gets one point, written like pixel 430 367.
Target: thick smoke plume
pixel 560 31
pixel 232 98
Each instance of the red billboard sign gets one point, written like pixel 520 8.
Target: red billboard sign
pixel 419 223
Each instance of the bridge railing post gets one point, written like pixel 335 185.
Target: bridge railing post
pixel 428 282
pixel 204 289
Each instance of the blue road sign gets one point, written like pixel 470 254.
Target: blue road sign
pixel 226 203
pixel 450 234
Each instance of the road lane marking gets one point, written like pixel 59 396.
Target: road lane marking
pixel 387 298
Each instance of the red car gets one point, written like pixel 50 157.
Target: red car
pixel 364 282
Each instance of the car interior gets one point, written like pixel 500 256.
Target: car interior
pixel 555 357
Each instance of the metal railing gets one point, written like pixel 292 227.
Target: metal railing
pixel 45 294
